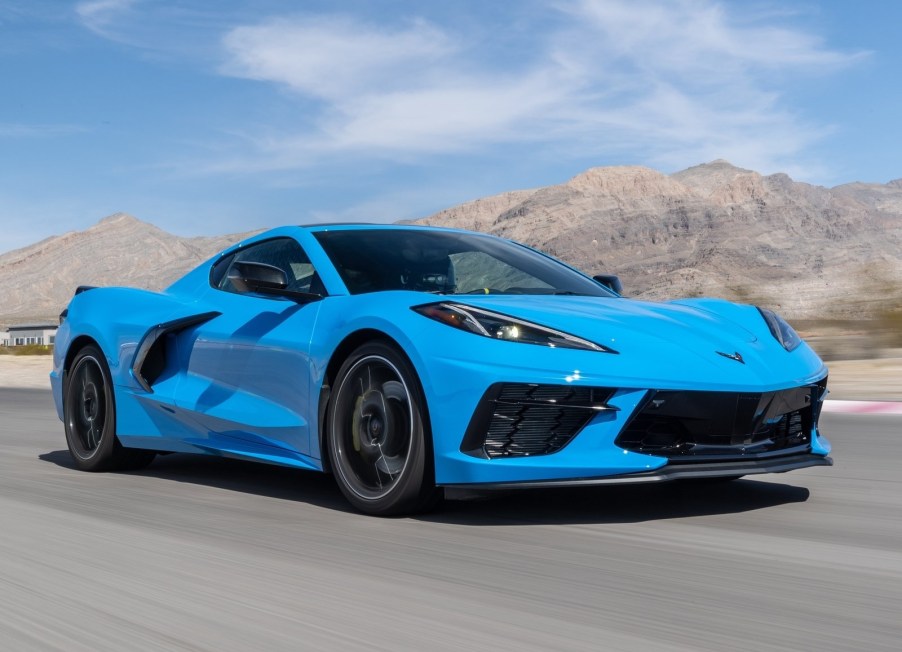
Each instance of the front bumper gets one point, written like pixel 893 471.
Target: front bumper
pixel 511 438
pixel 457 377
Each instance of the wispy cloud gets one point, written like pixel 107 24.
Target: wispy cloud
pixel 695 82
pixel 665 82
pixel 678 81
pixel 698 36
pixel 100 15
pixel 333 57
pixel 19 130
pixel 390 90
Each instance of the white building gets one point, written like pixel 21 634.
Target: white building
pixel 29 334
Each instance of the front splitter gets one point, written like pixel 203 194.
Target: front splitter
pixel 671 472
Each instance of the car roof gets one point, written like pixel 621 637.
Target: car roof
pixel 282 231
pixel 369 226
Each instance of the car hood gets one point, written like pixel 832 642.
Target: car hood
pixel 689 343
pixel 626 324
pixel 686 343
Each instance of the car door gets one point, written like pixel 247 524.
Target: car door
pixel 248 377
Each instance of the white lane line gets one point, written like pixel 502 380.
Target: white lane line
pixel 863 407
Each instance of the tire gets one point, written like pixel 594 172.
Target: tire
pixel 89 415
pixel 377 434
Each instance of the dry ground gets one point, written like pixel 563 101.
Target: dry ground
pixel 25 371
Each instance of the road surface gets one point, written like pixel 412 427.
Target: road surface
pixel 208 554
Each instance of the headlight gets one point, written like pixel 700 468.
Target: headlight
pixel 782 331
pixel 503 327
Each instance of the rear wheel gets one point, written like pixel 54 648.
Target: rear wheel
pixel 89 414
pixel 376 435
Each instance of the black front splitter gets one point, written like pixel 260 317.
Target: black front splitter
pixel 681 471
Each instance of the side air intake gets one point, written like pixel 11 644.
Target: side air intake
pixel 520 419
pixel 150 358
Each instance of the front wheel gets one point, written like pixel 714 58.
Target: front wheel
pixel 376 435
pixel 89 414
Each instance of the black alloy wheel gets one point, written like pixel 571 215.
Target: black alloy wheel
pixel 89 414
pixel 376 435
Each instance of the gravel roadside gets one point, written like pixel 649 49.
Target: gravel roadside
pixel 25 371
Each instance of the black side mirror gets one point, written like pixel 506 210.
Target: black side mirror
pixel 256 277
pixel 259 278
pixel 610 281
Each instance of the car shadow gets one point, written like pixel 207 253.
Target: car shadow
pixel 615 503
pixel 268 480
pixel 578 505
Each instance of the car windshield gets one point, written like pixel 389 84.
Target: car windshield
pixel 444 262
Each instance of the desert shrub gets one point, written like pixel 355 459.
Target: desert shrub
pixel 27 349
pixel 889 324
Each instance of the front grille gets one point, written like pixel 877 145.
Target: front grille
pixel 520 419
pixel 689 426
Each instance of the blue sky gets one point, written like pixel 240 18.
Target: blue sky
pixel 215 117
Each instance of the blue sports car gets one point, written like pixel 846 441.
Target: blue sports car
pixel 405 359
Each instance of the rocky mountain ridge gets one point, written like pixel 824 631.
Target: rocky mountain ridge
pixel 36 282
pixel 713 229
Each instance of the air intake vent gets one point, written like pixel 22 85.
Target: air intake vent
pixel 694 425
pixel 519 419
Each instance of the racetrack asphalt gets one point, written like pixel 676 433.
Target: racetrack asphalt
pixel 210 554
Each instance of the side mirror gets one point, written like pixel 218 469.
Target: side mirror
pixel 257 277
pixel 260 278
pixel 610 281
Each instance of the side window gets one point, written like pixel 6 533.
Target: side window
pixel 219 270
pixel 284 253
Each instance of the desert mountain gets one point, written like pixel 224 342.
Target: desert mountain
pixel 36 282
pixel 714 230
